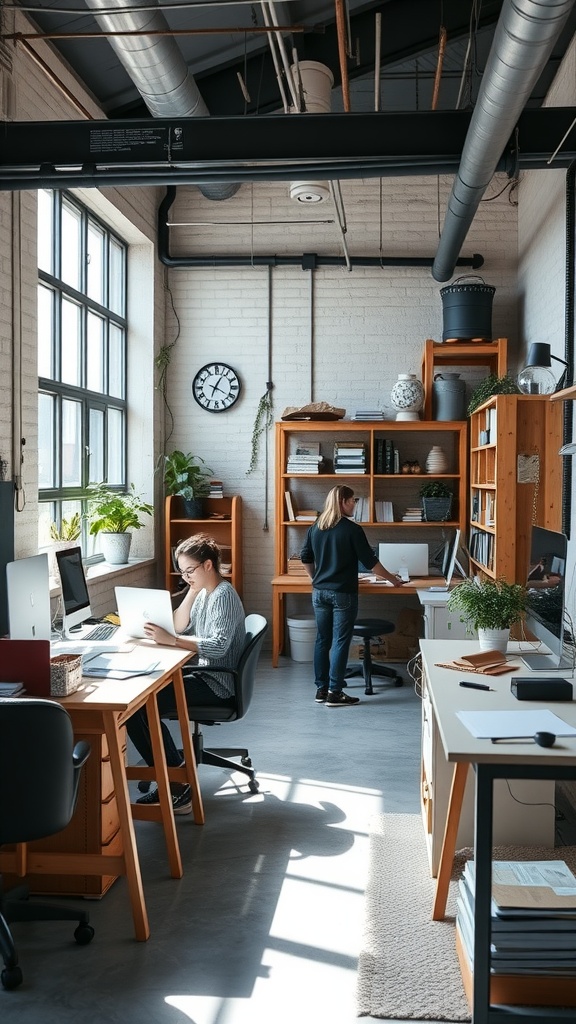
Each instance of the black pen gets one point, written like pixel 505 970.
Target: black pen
pixel 475 686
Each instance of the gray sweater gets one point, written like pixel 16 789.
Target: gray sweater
pixel 217 625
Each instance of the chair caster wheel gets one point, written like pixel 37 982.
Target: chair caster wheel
pixel 253 786
pixel 143 786
pixel 246 761
pixel 84 934
pixel 11 977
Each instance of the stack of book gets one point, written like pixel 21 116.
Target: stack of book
pixel 384 511
pixel 295 566
pixel 11 689
pixel 305 458
pixel 368 414
pixel 413 514
pixel 533 924
pixel 361 511
pixel 349 458
pixel 216 489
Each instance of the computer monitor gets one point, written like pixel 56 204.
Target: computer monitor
pixel 546 585
pixel 74 589
pixel 28 593
pixel 413 557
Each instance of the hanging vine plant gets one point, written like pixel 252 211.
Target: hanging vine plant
pixel 263 421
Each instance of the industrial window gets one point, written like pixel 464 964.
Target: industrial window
pixel 82 332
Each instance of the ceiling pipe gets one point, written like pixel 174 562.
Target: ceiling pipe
pixel 524 38
pixel 341 34
pixel 157 68
pixel 439 65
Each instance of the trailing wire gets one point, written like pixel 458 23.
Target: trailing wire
pixel 162 362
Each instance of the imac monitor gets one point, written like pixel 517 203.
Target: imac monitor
pixel 545 609
pixel 74 589
pixel 28 593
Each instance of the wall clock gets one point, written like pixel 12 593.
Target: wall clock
pixel 216 387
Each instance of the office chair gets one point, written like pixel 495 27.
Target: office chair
pixel 367 629
pixel 243 676
pixel 39 776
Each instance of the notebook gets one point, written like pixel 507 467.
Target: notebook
pixel 137 605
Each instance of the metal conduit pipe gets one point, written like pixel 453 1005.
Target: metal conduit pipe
pixel 524 37
pixel 306 260
pixel 157 68
pixel 569 341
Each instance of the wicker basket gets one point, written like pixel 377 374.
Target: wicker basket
pixel 437 510
pixel 65 674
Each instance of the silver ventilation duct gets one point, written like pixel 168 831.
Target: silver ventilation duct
pixel 524 37
pixel 157 68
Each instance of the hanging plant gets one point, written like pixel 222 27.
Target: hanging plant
pixel 263 421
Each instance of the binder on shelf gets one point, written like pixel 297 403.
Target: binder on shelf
pixel 289 506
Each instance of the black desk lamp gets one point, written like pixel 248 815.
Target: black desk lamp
pixel 537 378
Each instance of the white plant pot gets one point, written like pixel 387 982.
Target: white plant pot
pixel 116 547
pixel 494 639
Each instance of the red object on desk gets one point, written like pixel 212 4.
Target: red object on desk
pixel 27 662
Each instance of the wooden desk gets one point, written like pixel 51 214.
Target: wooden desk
pixel 282 585
pixel 102 707
pixel 491 762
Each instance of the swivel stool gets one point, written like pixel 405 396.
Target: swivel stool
pixel 367 629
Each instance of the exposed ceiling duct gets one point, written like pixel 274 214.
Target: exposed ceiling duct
pixel 524 37
pixel 157 67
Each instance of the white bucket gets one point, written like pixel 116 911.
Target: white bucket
pixel 302 633
pixel 317 81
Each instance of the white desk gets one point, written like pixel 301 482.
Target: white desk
pixel 439 622
pixel 490 762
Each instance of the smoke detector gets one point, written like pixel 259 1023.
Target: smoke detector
pixel 309 192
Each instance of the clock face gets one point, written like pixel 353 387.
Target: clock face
pixel 216 387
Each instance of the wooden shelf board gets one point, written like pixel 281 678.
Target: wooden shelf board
pixel 566 394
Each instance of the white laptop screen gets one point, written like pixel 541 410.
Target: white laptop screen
pixel 137 605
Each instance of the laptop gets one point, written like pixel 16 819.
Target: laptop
pixel 437 584
pixel 137 605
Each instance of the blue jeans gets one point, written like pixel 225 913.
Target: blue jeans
pixel 335 615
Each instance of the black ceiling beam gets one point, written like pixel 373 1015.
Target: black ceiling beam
pixel 193 150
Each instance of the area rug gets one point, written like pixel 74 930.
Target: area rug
pixel 408 968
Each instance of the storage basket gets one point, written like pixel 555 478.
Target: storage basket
pixel 65 674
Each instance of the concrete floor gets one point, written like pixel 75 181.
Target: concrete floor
pixel 266 923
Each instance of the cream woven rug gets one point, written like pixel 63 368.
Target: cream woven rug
pixel 408 968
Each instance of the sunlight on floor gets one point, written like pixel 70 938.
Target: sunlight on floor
pixel 308 969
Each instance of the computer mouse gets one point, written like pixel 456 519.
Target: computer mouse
pixel 545 739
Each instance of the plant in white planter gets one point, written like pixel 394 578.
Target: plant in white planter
pixel 491 607
pixel 114 514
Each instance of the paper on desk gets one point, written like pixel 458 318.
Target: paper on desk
pixel 488 724
pixel 117 666
pixel 367 578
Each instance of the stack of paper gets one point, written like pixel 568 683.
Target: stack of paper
pixel 11 689
pixel 533 917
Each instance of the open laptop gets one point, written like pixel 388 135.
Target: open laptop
pixel 438 584
pixel 137 605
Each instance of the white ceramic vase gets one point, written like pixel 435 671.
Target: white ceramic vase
pixel 407 396
pixel 436 461
pixel 494 639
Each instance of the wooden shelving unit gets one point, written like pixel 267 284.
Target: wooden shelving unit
pixel 222 520
pixel 493 355
pixel 515 480
pixel 414 441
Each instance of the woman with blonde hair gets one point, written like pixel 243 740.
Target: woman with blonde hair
pixel 333 548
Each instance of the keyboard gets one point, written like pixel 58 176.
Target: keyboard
pixel 102 632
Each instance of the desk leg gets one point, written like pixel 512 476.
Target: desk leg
pixel 131 862
pixel 164 794
pixel 187 747
pixel 449 842
pixel 277 624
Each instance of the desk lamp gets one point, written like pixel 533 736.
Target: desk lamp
pixel 537 378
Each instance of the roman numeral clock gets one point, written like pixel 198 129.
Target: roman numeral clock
pixel 216 387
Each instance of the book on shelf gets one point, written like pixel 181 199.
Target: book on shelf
pixel 349 448
pixel 216 489
pixel 303 467
pixel 307 448
pixel 350 470
pixel 295 566
pixel 310 457
pixel 384 511
pixel 368 414
pixel 307 515
pixel 289 506
pixel 361 511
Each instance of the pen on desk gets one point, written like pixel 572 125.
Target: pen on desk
pixel 475 686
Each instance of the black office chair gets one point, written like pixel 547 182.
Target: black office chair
pixel 39 776
pixel 367 629
pixel 243 675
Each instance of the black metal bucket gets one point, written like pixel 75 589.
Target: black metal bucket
pixel 467 310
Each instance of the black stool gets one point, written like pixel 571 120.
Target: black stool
pixel 368 629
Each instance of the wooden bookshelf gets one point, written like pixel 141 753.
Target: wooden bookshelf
pixel 491 354
pixel 222 520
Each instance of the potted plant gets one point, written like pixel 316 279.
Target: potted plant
pixel 114 514
pixel 491 607
pixel 63 535
pixel 492 385
pixel 189 477
pixel 436 501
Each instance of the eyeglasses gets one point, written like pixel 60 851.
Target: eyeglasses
pixel 190 571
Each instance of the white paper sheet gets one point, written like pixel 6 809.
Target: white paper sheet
pixel 488 724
